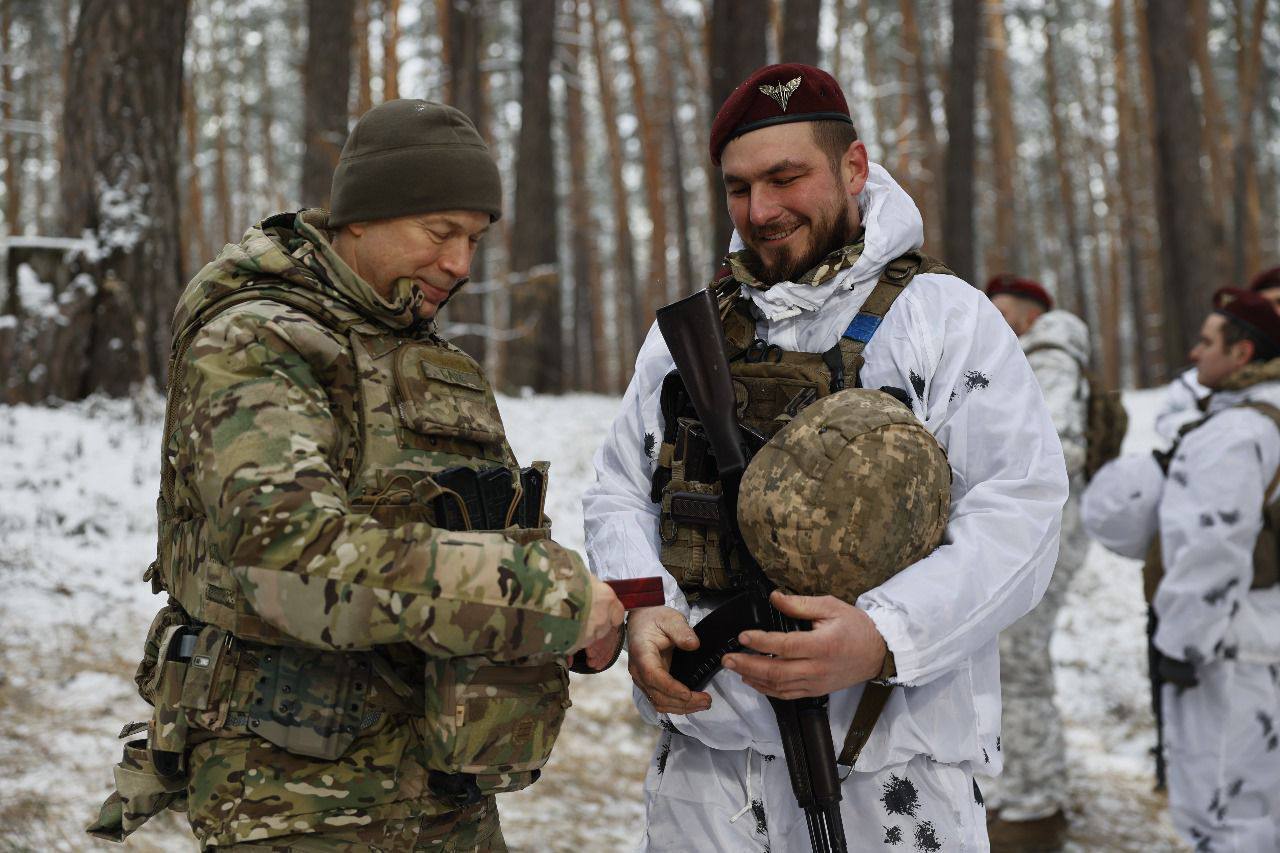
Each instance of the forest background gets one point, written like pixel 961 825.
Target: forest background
pixel 1124 152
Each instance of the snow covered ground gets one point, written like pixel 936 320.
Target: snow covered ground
pixel 77 491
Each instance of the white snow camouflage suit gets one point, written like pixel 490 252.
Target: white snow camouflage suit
pixel 1034 783
pixel 1222 737
pixel 912 787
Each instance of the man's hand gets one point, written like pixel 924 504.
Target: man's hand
pixel 652 634
pixel 605 619
pixel 843 649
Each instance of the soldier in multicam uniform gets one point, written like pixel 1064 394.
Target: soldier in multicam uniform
pixel 367 621
pixel 829 290
pixel 1028 801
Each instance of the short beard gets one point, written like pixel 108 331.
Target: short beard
pixel 831 230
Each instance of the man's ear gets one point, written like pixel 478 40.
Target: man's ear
pixel 356 228
pixel 854 166
pixel 1243 351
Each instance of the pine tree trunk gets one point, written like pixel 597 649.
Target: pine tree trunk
pixel 326 88
pixel 1128 219
pixel 221 161
pixel 1216 133
pixel 462 23
pixel 12 148
pixel 1005 253
pixel 652 152
pixel 1075 292
pixel 1184 245
pixel 626 285
pixel 668 35
pixel 883 139
pixel 913 44
pixel 364 67
pixel 194 227
pixel 591 365
pixel 1144 123
pixel 266 131
pixel 799 38
pixel 120 183
pixel 1247 254
pixel 391 51
pixel 959 235
pixel 737 48
pixel 535 359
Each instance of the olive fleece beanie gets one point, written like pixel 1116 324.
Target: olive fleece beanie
pixel 405 157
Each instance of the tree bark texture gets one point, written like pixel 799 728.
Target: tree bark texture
pixel 799 41
pixel 1247 203
pixel 591 360
pixel 655 291
pixel 1216 132
pixel 1127 177
pixel 462 23
pixel 326 90
pixel 931 155
pixel 12 147
pixel 738 30
pixel 122 117
pixel 1073 293
pixel 1184 244
pixel 391 51
pixel 1005 252
pixel 534 359
pixel 364 65
pixel 626 284
pixel 959 235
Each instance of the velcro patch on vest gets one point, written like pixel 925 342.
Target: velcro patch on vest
pixel 217 594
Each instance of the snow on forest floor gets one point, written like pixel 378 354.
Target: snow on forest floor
pixel 77 526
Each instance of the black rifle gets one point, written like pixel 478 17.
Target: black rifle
pixel 1157 700
pixel 695 338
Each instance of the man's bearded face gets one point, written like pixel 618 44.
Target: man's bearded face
pixel 789 205
pixel 825 230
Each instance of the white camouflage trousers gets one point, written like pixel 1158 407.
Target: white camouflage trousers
pixel 1034 782
pixel 1222 748
pixel 702 799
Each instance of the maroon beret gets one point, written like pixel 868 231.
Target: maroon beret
pixel 777 94
pixel 1254 314
pixel 1023 287
pixel 1266 280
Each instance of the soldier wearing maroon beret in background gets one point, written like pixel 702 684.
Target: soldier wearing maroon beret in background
pixel 1214 580
pixel 827 258
pixel 1183 396
pixel 1028 802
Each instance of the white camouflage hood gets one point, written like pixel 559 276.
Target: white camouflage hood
pixel 892 226
pixel 1060 329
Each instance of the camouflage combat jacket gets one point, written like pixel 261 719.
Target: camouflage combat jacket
pixel 349 653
